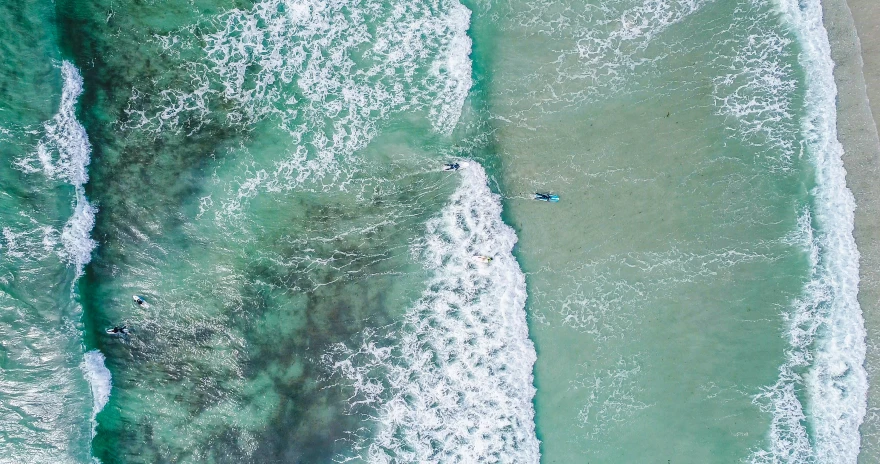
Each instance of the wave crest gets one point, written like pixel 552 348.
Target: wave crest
pixel 454 383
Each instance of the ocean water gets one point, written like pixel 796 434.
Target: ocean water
pixel 267 176
pixel 693 293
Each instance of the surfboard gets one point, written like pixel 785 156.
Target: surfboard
pixel 140 301
pixel 482 259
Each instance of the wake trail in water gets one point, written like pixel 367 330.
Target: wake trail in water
pixel 454 383
pixel 825 361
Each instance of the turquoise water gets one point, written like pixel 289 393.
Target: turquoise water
pixel 267 176
pixel 690 248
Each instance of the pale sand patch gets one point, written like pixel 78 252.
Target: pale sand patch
pixel 854 31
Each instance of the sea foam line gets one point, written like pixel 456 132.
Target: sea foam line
pixel 455 383
pixel 827 333
pixel 99 379
pixel 64 153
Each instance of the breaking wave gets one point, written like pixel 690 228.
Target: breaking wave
pixel 825 360
pixel 454 382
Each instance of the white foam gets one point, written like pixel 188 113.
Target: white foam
pixel 328 72
pixel 27 244
pixel 75 237
pixel 600 47
pixel 454 383
pixel 63 153
pixel 758 90
pixel 99 378
pixel 452 71
pixel 631 29
pixel 827 334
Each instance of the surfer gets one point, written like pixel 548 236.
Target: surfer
pixel 451 167
pixel 546 197
pixel 140 301
pixel 118 330
pixel 483 259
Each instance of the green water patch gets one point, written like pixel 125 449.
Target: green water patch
pixel 229 353
pixel 250 272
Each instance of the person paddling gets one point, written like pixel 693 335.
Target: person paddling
pixel 548 197
pixel 118 330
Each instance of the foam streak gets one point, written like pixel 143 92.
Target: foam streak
pixel 64 154
pixel 98 376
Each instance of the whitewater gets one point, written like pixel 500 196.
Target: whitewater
pixel 453 382
pixel 827 332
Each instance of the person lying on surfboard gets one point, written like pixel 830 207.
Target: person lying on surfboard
pixel 455 166
pixel 546 197
pixel 118 330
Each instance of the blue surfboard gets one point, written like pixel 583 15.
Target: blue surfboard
pixel 552 198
